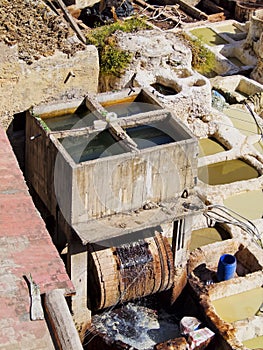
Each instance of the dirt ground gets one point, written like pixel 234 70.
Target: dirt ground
pixel 36 29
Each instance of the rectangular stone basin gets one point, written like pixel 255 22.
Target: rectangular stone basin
pixel 239 306
pixel 96 145
pixel 204 261
pixel 132 173
pixel 241 119
pixel 150 135
pixel 247 204
pixel 126 105
pixel 68 116
pixel 209 36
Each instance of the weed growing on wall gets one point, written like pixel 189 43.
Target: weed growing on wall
pixel 114 60
pixel 203 60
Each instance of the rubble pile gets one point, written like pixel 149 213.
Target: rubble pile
pixel 35 29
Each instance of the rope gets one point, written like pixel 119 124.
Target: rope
pixel 158 11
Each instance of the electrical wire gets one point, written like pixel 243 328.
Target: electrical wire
pixel 222 214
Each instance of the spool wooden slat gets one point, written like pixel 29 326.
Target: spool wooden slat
pixel 124 273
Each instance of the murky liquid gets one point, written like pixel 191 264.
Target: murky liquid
pixel 165 90
pixel 235 61
pixel 242 120
pixel 128 109
pixel 137 326
pixel 229 28
pixel 148 136
pixel 226 172
pixel 248 204
pixel 254 343
pixel 239 306
pixel 203 237
pixel 241 92
pixel 83 148
pixel 208 146
pixel 68 121
pixel 208 36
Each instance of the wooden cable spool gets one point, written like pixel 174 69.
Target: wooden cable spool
pixel 130 271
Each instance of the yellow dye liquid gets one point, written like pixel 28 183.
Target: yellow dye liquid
pixel 226 172
pixel 254 343
pixel 128 99
pixel 242 120
pixel 203 237
pixel 208 146
pixel 208 36
pixel 248 204
pixel 239 306
pixel 230 28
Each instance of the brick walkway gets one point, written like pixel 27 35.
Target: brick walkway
pixel 25 248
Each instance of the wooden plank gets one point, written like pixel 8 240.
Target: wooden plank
pixel 72 22
pixel 61 321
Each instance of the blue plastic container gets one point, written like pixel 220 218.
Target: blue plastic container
pixel 226 267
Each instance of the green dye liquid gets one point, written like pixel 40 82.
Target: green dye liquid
pixel 148 136
pixel 226 172
pixel 254 343
pixel 70 121
pixel 127 109
pixel 248 204
pixel 208 36
pixel 239 306
pixel 242 120
pixel 84 148
pixel 230 28
pixel 209 146
pixel 203 237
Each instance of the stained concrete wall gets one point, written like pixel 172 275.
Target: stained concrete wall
pixel 42 161
pixel 131 180
pixel 23 85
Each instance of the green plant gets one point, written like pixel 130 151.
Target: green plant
pixel 113 60
pixel 42 123
pixel 203 60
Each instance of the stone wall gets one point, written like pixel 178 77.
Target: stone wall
pixel 255 38
pixel 55 77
